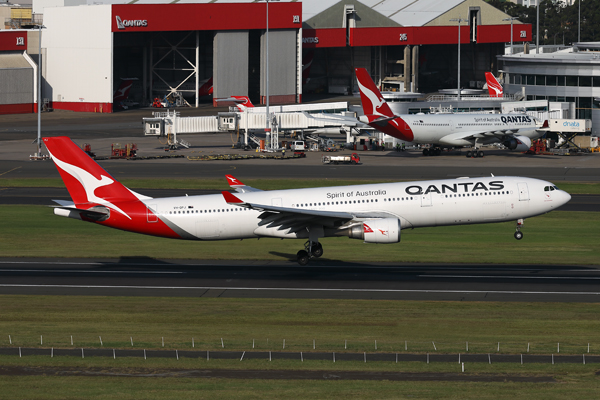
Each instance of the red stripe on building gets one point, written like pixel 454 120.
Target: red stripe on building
pixel 316 38
pixel 204 17
pixel 501 33
pixel 17 108
pixel 13 40
pixel 83 106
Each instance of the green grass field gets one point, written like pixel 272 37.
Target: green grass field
pixel 554 238
pixel 328 322
pixel 265 184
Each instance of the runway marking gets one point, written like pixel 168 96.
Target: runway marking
pixel 297 289
pixel 507 277
pixel 4 173
pixel 592 269
pixel 92 272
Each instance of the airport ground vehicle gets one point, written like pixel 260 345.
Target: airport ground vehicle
pixel 351 159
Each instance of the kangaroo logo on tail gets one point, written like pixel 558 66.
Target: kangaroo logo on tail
pixel 494 87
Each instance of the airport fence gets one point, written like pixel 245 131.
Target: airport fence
pixel 294 345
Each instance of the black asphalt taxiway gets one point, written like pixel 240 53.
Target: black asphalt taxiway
pixel 325 279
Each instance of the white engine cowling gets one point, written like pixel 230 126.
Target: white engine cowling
pixel 518 143
pixel 384 230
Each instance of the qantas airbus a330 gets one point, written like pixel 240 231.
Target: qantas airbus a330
pixel 374 213
pixel 515 131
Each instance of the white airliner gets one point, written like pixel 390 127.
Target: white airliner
pixel 374 213
pixel 515 131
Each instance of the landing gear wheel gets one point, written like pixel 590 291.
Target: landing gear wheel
pixel 302 257
pixel 438 151
pixel 317 250
pixel 518 235
pixel 425 152
pixel 480 154
pixel 469 154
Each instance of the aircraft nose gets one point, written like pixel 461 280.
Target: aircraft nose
pixel 566 197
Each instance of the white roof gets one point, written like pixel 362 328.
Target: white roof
pixel 403 12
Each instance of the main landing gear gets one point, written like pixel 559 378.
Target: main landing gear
pixel 311 250
pixel 434 151
pixel 518 233
pixel 475 154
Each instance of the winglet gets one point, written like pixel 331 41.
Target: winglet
pixel 230 198
pixel 233 181
pixel 546 124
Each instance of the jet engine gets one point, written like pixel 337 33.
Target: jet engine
pixel 384 230
pixel 518 143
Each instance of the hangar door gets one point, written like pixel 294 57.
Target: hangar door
pixel 16 83
pixel 230 64
pixel 283 60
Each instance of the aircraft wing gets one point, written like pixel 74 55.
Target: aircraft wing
pixel 238 186
pixel 464 138
pixel 297 219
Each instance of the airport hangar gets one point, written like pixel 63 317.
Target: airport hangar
pixel 407 45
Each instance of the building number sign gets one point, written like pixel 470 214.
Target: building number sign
pixel 296 19
pixel 20 41
pixel 403 37
pixel 523 34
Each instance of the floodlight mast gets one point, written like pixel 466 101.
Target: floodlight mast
pixel 39 93
pixel 459 20
pixel 268 125
pixel 511 19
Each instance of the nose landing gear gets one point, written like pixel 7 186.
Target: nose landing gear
pixel 518 233
pixel 312 250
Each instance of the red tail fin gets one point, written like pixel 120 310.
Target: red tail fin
pixel 87 182
pixel 494 87
pixel 122 92
pixel 374 106
pixel 207 88
pixel 243 102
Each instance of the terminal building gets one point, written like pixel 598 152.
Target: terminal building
pixel 180 49
pixel 571 75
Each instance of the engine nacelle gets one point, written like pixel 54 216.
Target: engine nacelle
pixel 384 230
pixel 518 143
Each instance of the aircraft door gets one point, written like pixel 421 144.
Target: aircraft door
pixel 151 213
pixel 426 200
pixel 523 191
pixel 451 125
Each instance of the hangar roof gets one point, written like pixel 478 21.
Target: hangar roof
pixel 413 13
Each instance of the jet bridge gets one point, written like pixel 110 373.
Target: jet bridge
pixel 163 124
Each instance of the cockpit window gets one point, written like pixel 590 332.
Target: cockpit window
pixel 546 188
pixel 555 188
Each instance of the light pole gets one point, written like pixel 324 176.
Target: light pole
pixel 459 20
pixel 511 19
pixel 268 126
pixel 39 93
pixel 579 23
pixel 537 28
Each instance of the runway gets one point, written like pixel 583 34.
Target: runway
pixel 285 279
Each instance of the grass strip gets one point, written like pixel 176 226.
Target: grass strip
pixel 332 325
pixel 265 184
pixel 554 238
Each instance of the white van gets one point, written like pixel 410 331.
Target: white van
pixel 298 146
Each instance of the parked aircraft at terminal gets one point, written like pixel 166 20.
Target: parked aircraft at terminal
pixel 515 131
pixel 374 213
